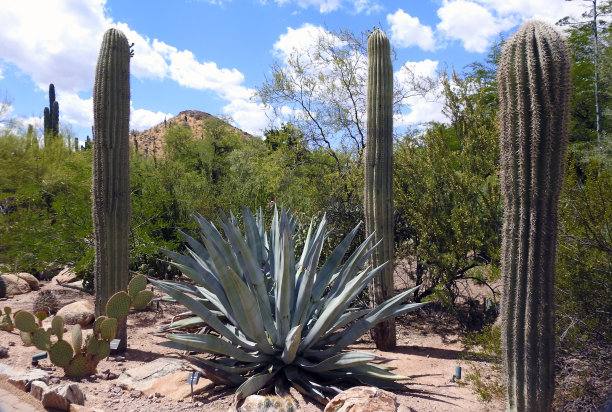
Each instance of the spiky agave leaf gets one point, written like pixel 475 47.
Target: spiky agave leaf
pixel 278 316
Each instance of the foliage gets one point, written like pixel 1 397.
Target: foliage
pixel 584 271
pixel 485 347
pixel 447 195
pixel 280 319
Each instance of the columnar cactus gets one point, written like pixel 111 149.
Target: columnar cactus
pixel 534 87
pixel 378 199
pixel 51 116
pixel 111 177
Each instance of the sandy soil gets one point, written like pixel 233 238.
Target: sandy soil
pixel 429 345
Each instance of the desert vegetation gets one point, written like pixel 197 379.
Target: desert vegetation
pixel 437 212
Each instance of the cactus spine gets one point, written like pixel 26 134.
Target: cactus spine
pixel 111 177
pixel 51 116
pixel 534 86
pixel 378 196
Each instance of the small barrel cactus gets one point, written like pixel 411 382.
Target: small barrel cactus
pixel 534 87
pixel 46 301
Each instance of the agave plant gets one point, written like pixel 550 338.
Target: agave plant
pixel 279 320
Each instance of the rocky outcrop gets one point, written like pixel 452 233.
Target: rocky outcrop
pixel 18 283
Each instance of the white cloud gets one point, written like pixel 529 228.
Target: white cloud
pixel 74 109
pixel 1 75
pixel 142 119
pixel 147 63
pixel 408 31
pixel 299 41
pixel 548 10
pixel 248 115
pixel 427 105
pixel 474 25
pixel 33 39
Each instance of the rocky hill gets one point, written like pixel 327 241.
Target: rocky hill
pixel 151 142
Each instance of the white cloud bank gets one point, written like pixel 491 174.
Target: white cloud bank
pixel 51 42
pixel 328 6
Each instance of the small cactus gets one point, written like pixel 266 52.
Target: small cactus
pixel 118 306
pixel 46 301
pixel 25 321
pixel 61 353
pixel 6 323
pixel 77 337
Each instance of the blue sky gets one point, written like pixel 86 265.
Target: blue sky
pixel 209 55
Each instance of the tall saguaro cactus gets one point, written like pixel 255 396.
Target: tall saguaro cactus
pixel 534 88
pixel 378 196
pixel 111 175
pixel 51 116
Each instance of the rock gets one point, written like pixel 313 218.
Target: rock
pixel 163 377
pixel 15 285
pixel 23 380
pixel 37 388
pixel 65 276
pixel 256 403
pixel 6 370
pixel 31 279
pixel 363 399
pixel 60 397
pixel 81 312
pixel 3 352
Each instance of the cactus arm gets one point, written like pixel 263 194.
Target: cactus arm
pixel 534 89
pixel 378 196
pixel 111 184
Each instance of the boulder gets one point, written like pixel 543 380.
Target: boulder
pixel 165 376
pixel 81 312
pixel 363 399
pixel 65 276
pixel 31 279
pixel 23 380
pixel 15 285
pixel 37 388
pixel 256 403
pixel 62 396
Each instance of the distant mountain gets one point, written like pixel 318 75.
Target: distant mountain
pixel 151 142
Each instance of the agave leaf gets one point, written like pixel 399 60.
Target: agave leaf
pixel 180 286
pixel 254 277
pixel 247 313
pixel 345 319
pixel 339 361
pixel 231 369
pixel 192 322
pixel 330 267
pixel 308 265
pixel 374 371
pixel 217 247
pixel 335 306
pixel 384 311
pixel 303 385
pixel 214 344
pixel 206 315
pixel 292 342
pixel 284 274
pixel 254 237
pixel 253 384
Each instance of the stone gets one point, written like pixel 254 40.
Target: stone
pixel 37 388
pixel 62 396
pixel 3 352
pixel 15 285
pixel 31 279
pixel 268 403
pixel 23 380
pixel 164 377
pixel 363 399
pixel 65 276
pixel 81 312
pixel 6 370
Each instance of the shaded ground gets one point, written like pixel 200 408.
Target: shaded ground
pixel 428 349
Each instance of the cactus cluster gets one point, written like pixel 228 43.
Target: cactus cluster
pixel 534 86
pixel 111 173
pixel 77 357
pixel 51 116
pixel 378 190
pixel 140 297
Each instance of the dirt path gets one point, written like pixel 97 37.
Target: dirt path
pixel 428 349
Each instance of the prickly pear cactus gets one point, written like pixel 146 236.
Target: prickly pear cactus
pixel 111 174
pixel 534 86
pixel 140 297
pixel 6 323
